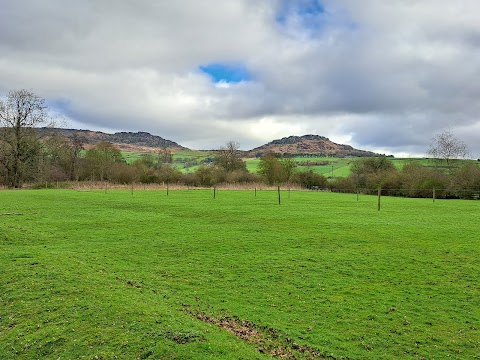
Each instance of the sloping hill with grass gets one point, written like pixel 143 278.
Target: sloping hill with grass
pixel 125 141
pixel 291 146
pixel 313 145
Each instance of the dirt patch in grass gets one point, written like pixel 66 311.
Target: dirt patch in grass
pixel 135 284
pixel 183 337
pixel 268 340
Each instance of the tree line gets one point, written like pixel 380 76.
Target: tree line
pixel 458 180
pixel 27 158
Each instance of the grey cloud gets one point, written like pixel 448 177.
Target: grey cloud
pixel 385 74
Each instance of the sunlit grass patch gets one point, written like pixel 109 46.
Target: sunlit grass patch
pixel 106 274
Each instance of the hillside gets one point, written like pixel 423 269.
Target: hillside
pixel 306 145
pixel 126 141
pixel 313 145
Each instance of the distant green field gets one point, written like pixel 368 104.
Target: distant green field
pixel 94 274
pixel 333 167
pixel 190 160
pixel 341 166
pixel 336 167
pixel 131 156
pixel 184 160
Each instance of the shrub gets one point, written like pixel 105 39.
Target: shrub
pixel 342 185
pixel 309 179
pixel 465 181
pixel 168 174
pixel 122 173
pixel 370 172
pixel 241 176
pixel 204 176
pixel 419 181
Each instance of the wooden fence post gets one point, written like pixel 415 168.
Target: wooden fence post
pixel 379 196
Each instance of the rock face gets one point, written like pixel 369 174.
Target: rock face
pixel 308 145
pixel 128 141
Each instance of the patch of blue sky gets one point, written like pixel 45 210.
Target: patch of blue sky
pixel 309 11
pixel 226 72
pixel 62 105
pixel 311 8
pixel 311 19
pixel 63 110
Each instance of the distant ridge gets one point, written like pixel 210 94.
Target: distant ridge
pixel 308 145
pixel 128 141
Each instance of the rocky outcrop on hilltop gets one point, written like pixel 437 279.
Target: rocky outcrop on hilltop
pixel 308 145
pixel 129 141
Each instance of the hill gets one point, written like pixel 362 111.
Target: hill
pixel 292 146
pixel 310 145
pixel 126 141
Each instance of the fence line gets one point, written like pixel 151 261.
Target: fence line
pixel 434 193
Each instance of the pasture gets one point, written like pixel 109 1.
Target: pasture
pixel 99 275
pixel 188 161
pixel 184 160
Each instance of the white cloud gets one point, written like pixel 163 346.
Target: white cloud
pixel 380 75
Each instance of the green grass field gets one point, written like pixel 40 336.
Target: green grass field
pixel 341 166
pixel 188 161
pixel 95 275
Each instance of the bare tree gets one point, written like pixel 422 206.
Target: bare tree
pixel 62 154
pixel 229 157
pixel 20 112
pixel 74 155
pixel 165 156
pixel 445 146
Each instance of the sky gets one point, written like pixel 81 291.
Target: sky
pixel 379 75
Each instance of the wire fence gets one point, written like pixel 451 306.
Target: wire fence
pixel 434 193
